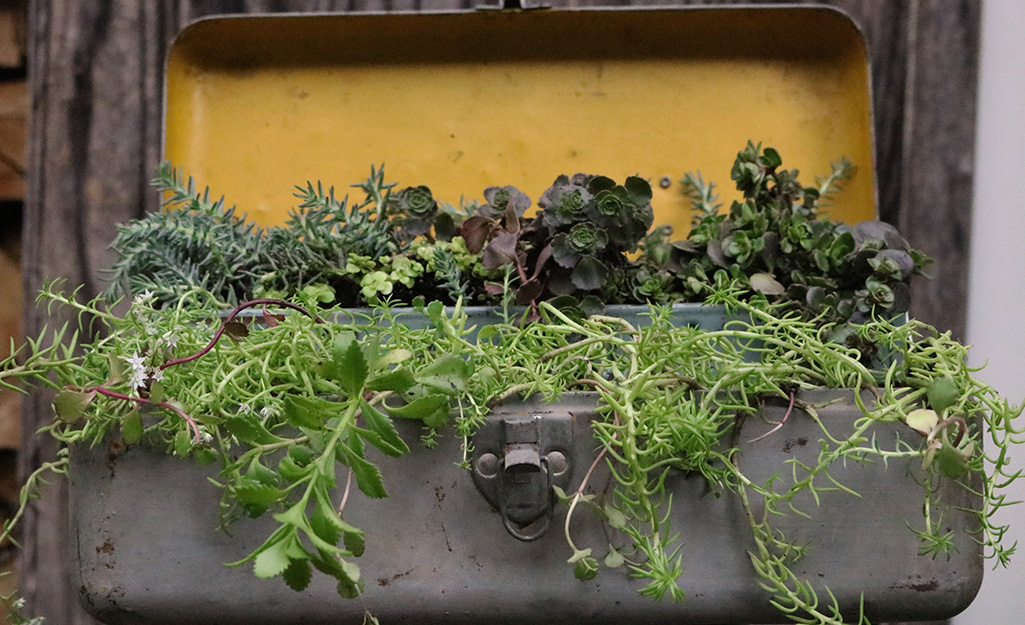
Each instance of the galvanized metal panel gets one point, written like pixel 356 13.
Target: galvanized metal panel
pixel 437 554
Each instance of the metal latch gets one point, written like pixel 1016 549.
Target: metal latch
pixel 517 459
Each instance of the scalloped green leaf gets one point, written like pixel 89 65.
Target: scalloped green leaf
pixel 323 524
pixel 348 366
pixel 273 559
pixel 421 408
pixel 247 428
pixel 292 470
pixel 355 543
pixel 262 474
pixel 298 574
pixel 348 589
pixel 384 435
pixel 397 381
pixel 249 491
pixel 448 374
pixel 301 454
pixel 368 476
pixel 310 412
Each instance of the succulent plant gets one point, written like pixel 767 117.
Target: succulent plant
pixel 565 201
pixel 417 209
pixel 776 241
pixel 591 241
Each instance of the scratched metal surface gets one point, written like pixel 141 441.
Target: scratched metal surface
pixel 437 552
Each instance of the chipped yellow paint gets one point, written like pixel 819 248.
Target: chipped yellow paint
pixel 462 101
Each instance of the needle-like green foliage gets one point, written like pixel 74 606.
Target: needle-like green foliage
pixel 230 353
pixel 287 407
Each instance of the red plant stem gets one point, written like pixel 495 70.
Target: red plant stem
pixel 521 271
pixel 102 390
pixel 597 461
pixel 590 470
pixel 147 401
pixel 231 317
pixel 786 415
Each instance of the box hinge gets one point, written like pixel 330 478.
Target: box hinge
pixel 513 5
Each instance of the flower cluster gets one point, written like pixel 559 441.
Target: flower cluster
pixel 142 375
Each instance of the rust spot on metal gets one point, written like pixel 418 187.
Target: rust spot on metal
pixel 920 585
pixel 789 446
pixel 114 452
pixel 386 581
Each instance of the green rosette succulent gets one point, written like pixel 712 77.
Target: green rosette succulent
pixel 418 209
pixel 565 202
pixel 583 239
pixel 624 210
pixel 504 201
pixel 579 250
pixel 777 241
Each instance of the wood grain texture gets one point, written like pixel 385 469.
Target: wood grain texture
pixel 938 160
pixel 96 77
pixel 94 90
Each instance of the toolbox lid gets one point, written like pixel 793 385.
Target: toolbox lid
pixel 462 101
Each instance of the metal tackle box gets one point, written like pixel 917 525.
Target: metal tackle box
pixel 462 101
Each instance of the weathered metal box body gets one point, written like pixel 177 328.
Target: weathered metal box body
pixel 460 102
pixel 436 551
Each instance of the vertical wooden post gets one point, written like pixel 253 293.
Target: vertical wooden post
pixel 94 138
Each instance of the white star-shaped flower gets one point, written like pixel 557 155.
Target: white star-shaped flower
pixel 139 377
pixel 137 362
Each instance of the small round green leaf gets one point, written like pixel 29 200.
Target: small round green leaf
pixel 951 461
pixel 615 516
pixel 70 406
pixel 765 284
pixel 131 427
pixel 182 443
pixel 923 420
pixel 943 393
pixel 614 559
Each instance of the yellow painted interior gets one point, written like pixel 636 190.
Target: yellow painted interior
pixel 256 105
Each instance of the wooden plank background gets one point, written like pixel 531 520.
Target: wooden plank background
pixel 95 69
